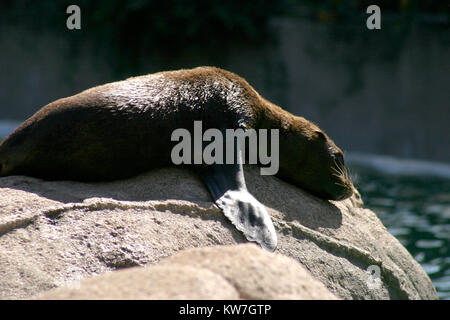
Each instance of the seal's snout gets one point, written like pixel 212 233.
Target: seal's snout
pixel 342 186
pixel 346 193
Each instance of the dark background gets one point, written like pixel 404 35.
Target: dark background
pixel 382 91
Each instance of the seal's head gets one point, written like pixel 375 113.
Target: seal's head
pixel 319 162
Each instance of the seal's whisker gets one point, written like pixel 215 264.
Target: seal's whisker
pixel 341 184
pixel 336 172
pixel 342 173
pixel 346 174
pixel 336 167
pixel 339 170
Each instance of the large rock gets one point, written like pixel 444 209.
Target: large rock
pixel 54 233
pixel 235 272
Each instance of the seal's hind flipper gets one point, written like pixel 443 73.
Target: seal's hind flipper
pixel 249 216
pixel 227 186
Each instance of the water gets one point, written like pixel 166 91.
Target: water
pixel 415 208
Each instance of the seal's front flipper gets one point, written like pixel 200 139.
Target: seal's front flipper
pixel 227 186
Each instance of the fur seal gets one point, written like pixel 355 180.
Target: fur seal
pixel 124 128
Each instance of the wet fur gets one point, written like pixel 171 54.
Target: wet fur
pixel 112 131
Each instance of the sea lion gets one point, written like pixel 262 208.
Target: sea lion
pixel 121 129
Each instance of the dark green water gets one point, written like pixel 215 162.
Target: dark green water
pixel 416 210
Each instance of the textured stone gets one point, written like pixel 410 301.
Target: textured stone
pixel 223 272
pixel 52 233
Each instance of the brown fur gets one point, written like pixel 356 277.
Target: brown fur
pixel 123 128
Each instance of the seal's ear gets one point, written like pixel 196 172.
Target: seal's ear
pixel 320 135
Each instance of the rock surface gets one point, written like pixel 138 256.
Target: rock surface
pixel 54 233
pixel 224 272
